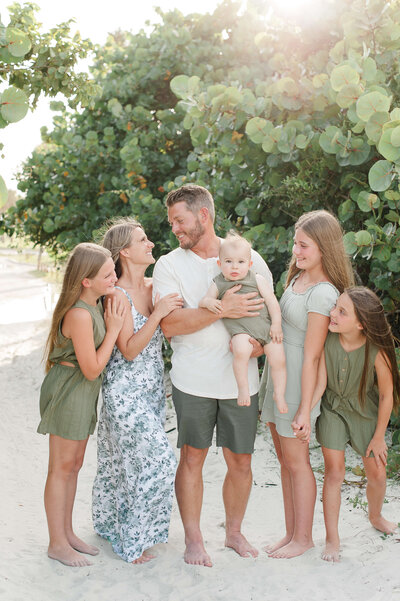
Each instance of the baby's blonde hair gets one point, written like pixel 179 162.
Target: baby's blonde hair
pixel 234 240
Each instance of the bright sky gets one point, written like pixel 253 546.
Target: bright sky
pixel 94 20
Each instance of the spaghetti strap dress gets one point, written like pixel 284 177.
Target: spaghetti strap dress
pixel 68 400
pixel 295 308
pixel 133 488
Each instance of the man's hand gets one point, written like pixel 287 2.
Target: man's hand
pixel 240 305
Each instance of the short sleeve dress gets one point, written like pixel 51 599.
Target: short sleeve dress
pixel 343 419
pixel 295 308
pixel 68 400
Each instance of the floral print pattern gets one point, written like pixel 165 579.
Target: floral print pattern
pixel 132 492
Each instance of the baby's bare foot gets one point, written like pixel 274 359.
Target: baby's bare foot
pixel 281 404
pixel 68 556
pixel 271 548
pixel 243 399
pixel 79 545
pixel 331 552
pixel 383 525
pixel 240 544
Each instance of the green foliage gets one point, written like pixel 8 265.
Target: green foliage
pixel 32 62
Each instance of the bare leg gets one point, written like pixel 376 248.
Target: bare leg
pixel 297 460
pixel 376 488
pixel 331 498
pixel 242 349
pixel 62 460
pixel 236 491
pixel 277 362
pixel 287 493
pixel 75 541
pixel 189 494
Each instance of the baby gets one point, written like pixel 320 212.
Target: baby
pixel 235 262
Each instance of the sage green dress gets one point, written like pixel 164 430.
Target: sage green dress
pixel 343 419
pixel 295 307
pixel 68 400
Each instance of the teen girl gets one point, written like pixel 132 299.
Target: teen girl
pixel 78 347
pixel 362 382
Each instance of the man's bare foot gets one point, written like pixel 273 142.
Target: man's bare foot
pixel 331 552
pixel 271 548
pixel 68 556
pixel 144 558
pixel 196 555
pixel 281 404
pixel 243 399
pixel 79 545
pixel 240 544
pixel 383 525
pixel 292 549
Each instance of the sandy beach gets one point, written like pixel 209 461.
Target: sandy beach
pixel 368 571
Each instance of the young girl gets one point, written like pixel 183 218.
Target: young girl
pixel 235 262
pixel 362 382
pixel 78 347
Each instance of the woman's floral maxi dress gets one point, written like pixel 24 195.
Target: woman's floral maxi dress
pixel 132 492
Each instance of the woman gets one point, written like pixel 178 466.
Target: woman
pixel 318 272
pixel 133 489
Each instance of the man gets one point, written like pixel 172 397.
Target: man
pixel 204 388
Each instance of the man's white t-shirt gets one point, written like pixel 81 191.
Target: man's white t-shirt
pixel 202 361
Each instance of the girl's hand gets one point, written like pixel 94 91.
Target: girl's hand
pixel 114 314
pixel 301 426
pixel 168 303
pixel 378 447
pixel 276 333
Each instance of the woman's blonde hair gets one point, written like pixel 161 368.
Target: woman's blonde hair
pixel 119 236
pixel 84 262
pixel 324 229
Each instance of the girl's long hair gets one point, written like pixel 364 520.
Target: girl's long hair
pixel 324 229
pixel 84 262
pixel 119 236
pixel 369 312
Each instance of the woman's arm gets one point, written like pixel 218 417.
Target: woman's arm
pixel 78 326
pixel 385 386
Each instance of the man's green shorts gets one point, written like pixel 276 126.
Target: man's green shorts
pixel 198 416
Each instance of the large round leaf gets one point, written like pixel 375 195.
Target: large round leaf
pixel 363 238
pixel 359 152
pixel 257 128
pixel 3 192
pixel 367 201
pixel 342 76
pixel 373 128
pixel 14 104
pixel 348 95
pixel 373 102
pixel 380 176
pixel 18 43
pixel 395 136
pixel 386 148
pixel 350 244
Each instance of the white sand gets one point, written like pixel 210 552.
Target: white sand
pixel 370 565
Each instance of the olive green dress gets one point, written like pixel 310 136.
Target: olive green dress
pixel 343 419
pixel 68 400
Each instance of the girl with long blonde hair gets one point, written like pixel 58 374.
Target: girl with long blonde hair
pixel 78 347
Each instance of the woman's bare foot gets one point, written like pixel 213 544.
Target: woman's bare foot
pixel 79 545
pixel 383 525
pixel 292 549
pixel 144 558
pixel 331 552
pixel 196 555
pixel 68 556
pixel 282 543
pixel 240 544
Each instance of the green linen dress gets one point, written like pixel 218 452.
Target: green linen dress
pixel 258 326
pixel 295 308
pixel 68 400
pixel 343 419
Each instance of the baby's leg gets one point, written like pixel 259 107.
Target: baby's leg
pixel 331 499
pixel 242 349
pixel 376 488
pixel 277 362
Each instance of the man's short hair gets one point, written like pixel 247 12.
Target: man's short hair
pixel 195 197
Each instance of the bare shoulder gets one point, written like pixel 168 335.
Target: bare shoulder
pixel 75 317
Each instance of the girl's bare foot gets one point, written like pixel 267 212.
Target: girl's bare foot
pixel 195 554
pixel 331 552
pixel 292 549
pixel 68 556
pixel 383 525
pixel 271 548
pixel 144 558
pixel 79 545
pixel 241 545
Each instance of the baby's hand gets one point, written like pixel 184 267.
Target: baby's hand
pixel 276 333
pixel 212 304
